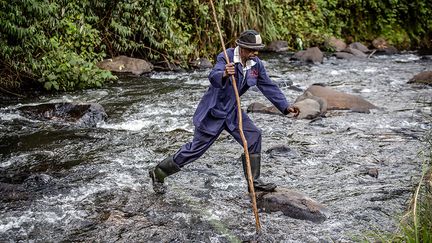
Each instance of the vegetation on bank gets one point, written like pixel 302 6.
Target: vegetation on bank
pixel 55 44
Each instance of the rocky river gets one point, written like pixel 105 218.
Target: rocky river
pixel 67 183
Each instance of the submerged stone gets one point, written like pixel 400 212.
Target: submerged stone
pixel 422 78
pixel 87 115
pixel 293 204
pixel 12 192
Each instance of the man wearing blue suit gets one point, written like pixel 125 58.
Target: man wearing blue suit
pixel 217 111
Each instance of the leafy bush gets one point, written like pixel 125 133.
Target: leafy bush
pixel 47 40
pixel 41 41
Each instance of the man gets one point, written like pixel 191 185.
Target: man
pixel 217 111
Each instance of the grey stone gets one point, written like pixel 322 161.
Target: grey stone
pixel 292 204
pixel 124 64
pixel 87 115
pixel 422 78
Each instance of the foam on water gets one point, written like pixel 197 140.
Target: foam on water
pixel 134 125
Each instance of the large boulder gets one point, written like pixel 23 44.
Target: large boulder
pixel 379 43
pixel 422 78
pixel 335 44
pixel 292 204
pixel 359 46
pixel 310 55
pixel 355 52
pixel 316 100
pixel 382 47
pixel 124 64
pixel 201 63
pixel 337 100
pixel 87 115
pixel 310 106
pixel 277 46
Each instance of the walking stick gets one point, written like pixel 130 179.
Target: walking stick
pixel 245 147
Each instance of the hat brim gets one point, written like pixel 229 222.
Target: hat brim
pixel 250 46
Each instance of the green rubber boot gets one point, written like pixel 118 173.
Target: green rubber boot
pixel 165 168
pixel 255 163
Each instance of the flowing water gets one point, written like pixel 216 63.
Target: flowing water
pixel 70 183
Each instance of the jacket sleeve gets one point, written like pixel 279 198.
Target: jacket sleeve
pixel 271 91
pixel 216 75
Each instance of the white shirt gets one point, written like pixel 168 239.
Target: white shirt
pixel 237 59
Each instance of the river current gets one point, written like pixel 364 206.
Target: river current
pixel 91 184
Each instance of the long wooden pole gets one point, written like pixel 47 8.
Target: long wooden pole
pixel 240 118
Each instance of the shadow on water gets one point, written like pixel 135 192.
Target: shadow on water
pixel 66 183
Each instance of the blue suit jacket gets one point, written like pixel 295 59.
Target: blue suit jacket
pixel 218 105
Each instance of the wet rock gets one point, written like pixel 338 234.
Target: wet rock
pixel 15 187
pixel 379 43
pixel 12 192
pixel 282 151
pixel 335 44
pixel 372 172
pixel 124 64
pixel 422 78
pixel 310 55
pixel 293 204
pixel 340 101
pixel 344 55
pixel 359 46
pixel 315 102
pixel 355 52
pixel 87 115
pixel 277 46
pixel 310 106
pixel 382 47
pixel 201 63
pixel 261 108
pixel 390 50
pixel 37 181
pixel 309 109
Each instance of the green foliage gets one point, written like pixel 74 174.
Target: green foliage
pixel 46 40
pixel 42 41
pixel 65 70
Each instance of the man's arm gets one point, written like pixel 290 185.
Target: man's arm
pixel 273 93
pixel 218 75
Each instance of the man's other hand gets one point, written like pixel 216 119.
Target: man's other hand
pixel 294 110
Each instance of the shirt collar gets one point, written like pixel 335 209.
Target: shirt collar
pixel 249 63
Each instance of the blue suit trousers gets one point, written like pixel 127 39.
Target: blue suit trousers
pixel 202 141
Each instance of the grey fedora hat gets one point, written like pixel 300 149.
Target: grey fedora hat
pixel 250 39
